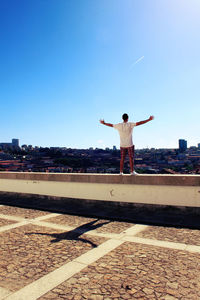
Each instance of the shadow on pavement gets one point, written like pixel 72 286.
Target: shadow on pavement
pixel 75 233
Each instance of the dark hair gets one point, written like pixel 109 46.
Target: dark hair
pixel 125 117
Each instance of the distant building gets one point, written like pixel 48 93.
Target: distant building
pixel 199 146
pixel 182 145
pixel 114 148
pixel 14 144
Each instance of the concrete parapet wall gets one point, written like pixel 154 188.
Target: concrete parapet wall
pixel 175 180
pixel 171 190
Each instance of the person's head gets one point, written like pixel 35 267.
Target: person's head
pixel 125 117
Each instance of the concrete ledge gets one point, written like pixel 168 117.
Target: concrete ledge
pixel 175 180
pixel 170 190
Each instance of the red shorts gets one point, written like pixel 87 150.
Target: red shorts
pixel 130 151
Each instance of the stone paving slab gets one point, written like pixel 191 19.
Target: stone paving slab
pixel 29 252
pixel 107 225
pixel 171 234
pixel 135 271
pixel 37 247
pixel 21 212
pixel 4 222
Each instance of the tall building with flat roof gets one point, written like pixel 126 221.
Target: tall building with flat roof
pixel 182 145
pixel 15 142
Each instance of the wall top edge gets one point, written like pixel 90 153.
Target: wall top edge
pixel 144 179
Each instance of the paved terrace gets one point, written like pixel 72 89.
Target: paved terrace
pixel 49 255
pixel 45 255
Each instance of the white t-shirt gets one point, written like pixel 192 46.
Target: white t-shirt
pixel 125 132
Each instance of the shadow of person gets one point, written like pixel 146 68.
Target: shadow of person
pixel 75 233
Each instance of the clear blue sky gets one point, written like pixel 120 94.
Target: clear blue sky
pixel 64 64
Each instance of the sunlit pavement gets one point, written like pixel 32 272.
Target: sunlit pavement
pixel 45 255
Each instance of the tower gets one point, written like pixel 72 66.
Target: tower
pixel 182 145
pixel 15 142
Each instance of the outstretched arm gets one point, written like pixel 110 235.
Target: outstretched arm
pixel 145 121
pixel 104 123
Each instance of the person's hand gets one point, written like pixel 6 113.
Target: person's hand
pixel 151 118
pixel 102 121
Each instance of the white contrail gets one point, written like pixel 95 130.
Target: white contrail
pixel 137 61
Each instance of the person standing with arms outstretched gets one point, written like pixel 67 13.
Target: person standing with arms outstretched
pixel 125 130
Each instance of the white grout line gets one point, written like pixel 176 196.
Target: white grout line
pixel 135 229
pixel 164 244
pixel 96 253
pixel 132 231
pixel 45 284
pixel 16 218
pixel 52 225
pixel 12 226
pixel 193 248
pixel 104 234
pixel 51 215
pixel 4 293
pixel 12 218
pixel 151 242
pixel 20 221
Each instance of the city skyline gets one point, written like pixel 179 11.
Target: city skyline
pixel 66 160
pixel 66 64
pixel 15 142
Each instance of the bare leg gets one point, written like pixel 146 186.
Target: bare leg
pixel 121 164
pixel 131 158
pixel 131 164
pixel 123 154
